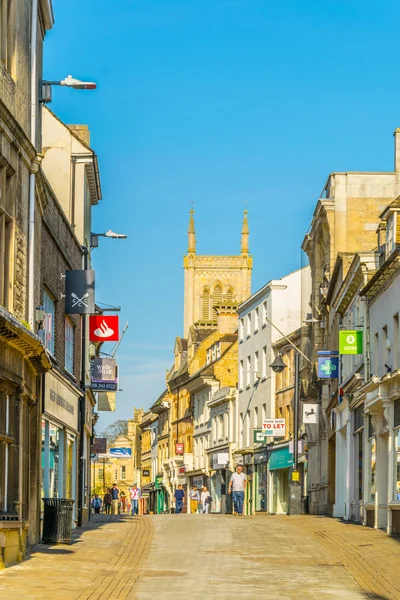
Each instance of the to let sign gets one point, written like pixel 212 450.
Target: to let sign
pixel 274 427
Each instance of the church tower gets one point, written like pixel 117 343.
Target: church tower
pixel 214 280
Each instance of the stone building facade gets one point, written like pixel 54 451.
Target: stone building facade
pixel 345 221
pixel 22 356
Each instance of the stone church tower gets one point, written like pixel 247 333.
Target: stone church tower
pixel 214 280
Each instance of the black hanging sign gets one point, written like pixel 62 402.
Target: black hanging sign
pixel 79 292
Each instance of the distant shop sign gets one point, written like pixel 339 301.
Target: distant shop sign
pixel 259 436
pixel 179 449
pixel 198 481
pixel 274 427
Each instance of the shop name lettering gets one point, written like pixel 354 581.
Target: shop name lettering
pixel 61 402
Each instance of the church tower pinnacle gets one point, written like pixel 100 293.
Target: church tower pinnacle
pixel 191 235
pixel 244 247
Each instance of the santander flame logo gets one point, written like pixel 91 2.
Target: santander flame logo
pixel 104 331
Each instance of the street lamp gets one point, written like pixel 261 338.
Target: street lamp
pixel 278 366
pixel 94 237
pixel 71 82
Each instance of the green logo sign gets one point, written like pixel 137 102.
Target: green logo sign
pixel 259 436
pixel 351 342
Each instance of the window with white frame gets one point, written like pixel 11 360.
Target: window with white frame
pixel 248 370
pixel 241 428
pixel 255 421
pixel 390 234
pixel 241 374
pixel 218 350
pixel 48 323
pixel 241 329
pixel 69 345
pixel 256 319
pixel 264 312
pixel 256 365
pixel 248 325
pixel 264 362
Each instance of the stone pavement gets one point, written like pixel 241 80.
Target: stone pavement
pixel 217 557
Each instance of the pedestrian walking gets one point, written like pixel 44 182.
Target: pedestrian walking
pixel 236 486
pixel 115 499
pixel 205 500
pixel 96 503
pixel 194 496
pixel 123 501
pixel 179 496
pixel 107 501
pixel 135 497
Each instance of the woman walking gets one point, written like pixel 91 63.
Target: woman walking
pixel 107 502
pixel 205 500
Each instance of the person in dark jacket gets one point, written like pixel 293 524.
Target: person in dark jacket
pixel 107 501
pixel 179 496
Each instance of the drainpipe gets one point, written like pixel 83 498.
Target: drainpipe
pixel 34 168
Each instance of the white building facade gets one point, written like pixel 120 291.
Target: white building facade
pixel 283 303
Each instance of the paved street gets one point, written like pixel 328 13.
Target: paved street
pixel 216 557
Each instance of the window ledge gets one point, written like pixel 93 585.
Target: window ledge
pixel 248 386
pixel 256 331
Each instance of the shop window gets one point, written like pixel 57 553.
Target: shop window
pixel 48 324
pixel 372 468
pixel 397 463
pixel 9 417
pixel 69 345
pixel 396 413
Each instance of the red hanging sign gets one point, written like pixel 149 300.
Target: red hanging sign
pixel 103 328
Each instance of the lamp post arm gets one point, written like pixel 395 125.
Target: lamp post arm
pixel 290 342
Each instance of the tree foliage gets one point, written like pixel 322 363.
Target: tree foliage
pixel 115 430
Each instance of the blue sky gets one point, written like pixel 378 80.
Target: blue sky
pixel 221 102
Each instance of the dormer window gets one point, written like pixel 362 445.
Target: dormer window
pixel 390 234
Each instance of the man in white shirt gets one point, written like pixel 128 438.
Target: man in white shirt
pixel 236 486
pixel 194 499
pixel 135 497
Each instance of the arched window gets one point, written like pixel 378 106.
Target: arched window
pixel 205 305
pixel 229 295
pixel 217 298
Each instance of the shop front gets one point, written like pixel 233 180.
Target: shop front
pixel 60 420
pixel 162 499
pixel 279 468
pixel 219 481
pixel 260 479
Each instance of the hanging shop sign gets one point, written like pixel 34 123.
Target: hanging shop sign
pixel 103 328
pixel 104 375
pixel 182 470
pixel 259 436
pixel 99 446
pixel 328 367
pixel 351 342
pixel 310 414
pixel 79 292
pixel 120 452
pixel 274 427
pixel 106 401
pixel 179 448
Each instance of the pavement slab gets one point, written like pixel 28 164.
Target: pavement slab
pixel 211 556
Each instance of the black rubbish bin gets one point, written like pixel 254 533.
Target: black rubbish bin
pixel 305 505
pixel 57 521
